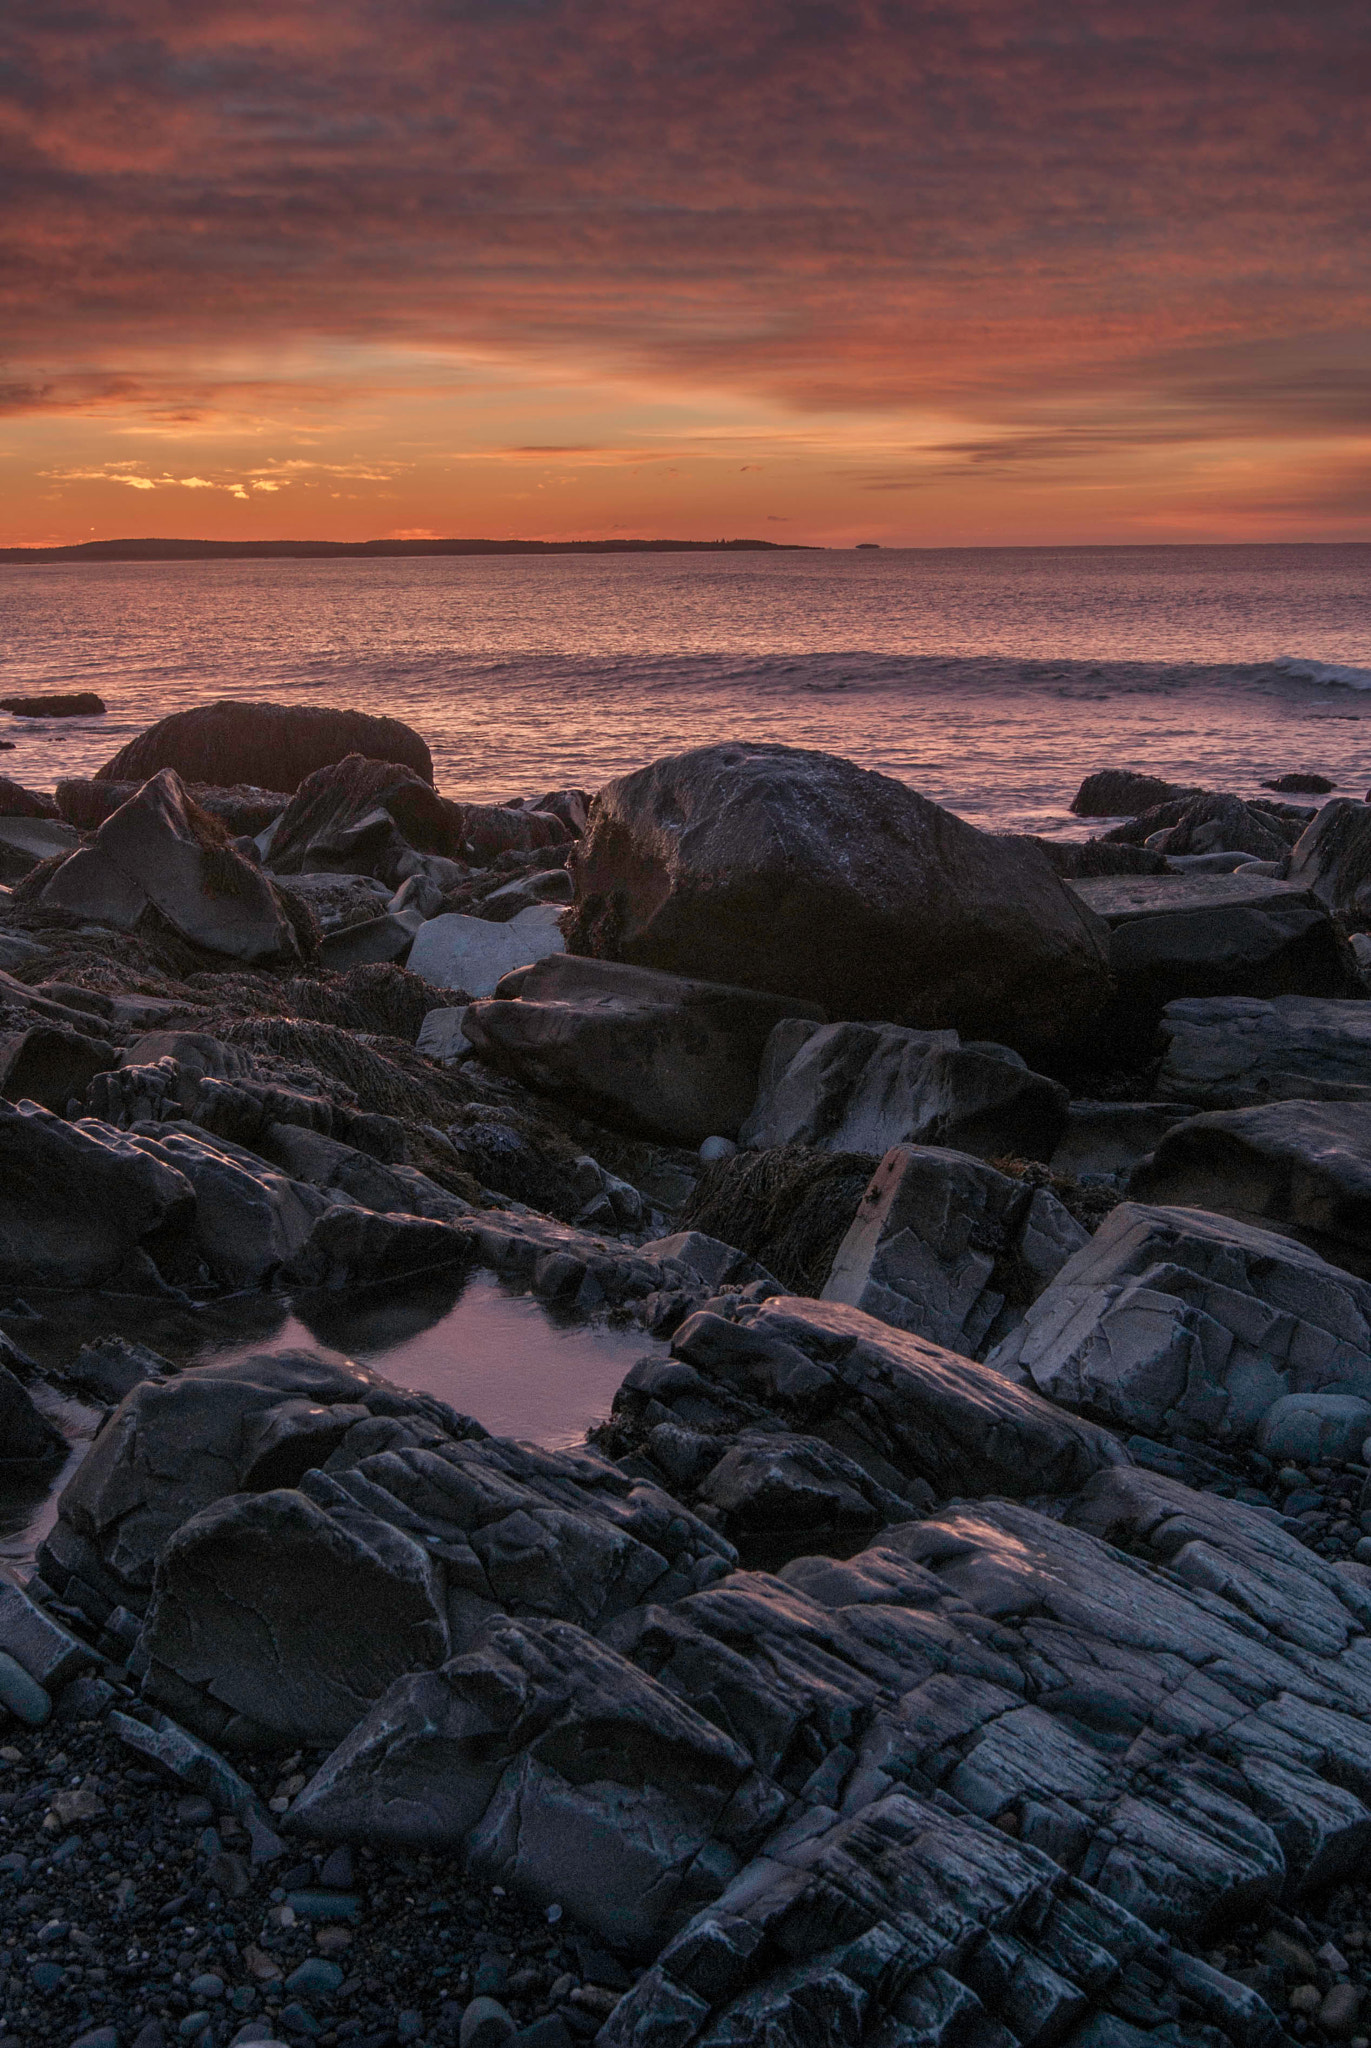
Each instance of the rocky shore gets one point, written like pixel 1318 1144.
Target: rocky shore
pixel 957 1633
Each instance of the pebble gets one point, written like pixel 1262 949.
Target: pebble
pixel 485 2024
pixel 1340 2007
pixel 24 1696
pixel 1306 1998
pixel 207 1985
pixel 321 1905
pixel 98 2037
pixel 194 2025
pixel 316 1973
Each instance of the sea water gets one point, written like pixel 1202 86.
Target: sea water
pixel 990 679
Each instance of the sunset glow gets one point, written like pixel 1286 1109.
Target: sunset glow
pixel 919 274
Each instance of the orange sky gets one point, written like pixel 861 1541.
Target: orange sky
pixel 985 272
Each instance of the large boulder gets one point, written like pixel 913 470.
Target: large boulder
pixel 1302 1168
pixel 272 746
pixel 18 802
pixel 359 816
pixel 1232 1052
pixel 866 1087
pixel 171 1449
pixel 51 1065
pixel 945 1246
pixel 250 1614
pixel 556 1768
pixel 656 1053
pixel 903 1408
pixel 475 954
pixel 77 1201
pixel 161 850
pixel 26 840
pixel 86 803
pixel 1173 936
pixel 1332 857
pixel 1181 1322
pixel 776 868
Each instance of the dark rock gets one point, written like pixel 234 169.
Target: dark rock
pixel 1233 1052
pixel 86 803
pixel 51 1066
pixel 160 849
pixel 778 1495
pixel 349 1247
pixel 26 1438
pixel 1076 860
pixel 169 1451
pixel 1299 783
pixel 380 939
pixel 50 1653
pixel 293 1615
pixel 1333 857
pixel 18 802
pixel 901 1407
pixel 1206 823
pixel 27 842
pixel 266 745
pixel 249 1220
pixel 645 1051
pixel 773 868
pixel 551 885
pixel 77 1200
pixel 866 1087
pixel 326 1163
pixel 111 1367
pixel 357 815
pixel 492 829
pixel 1301 1168
pixel 1178 1321
pixel 1105 1140
pixel 945 1246
pixel 1121 792
pixel 72 704
pixel 1177 936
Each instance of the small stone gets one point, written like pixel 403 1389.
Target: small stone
pixel 331 1941
pixel 1340 2007
pixel 295 2020
pixel 207 1985
pixel 1306 1998
pixel 23 1695
pixel 324 1905
pixel 243 1998
pixel 717 1148
pixel 409 2026
pixel 549 2032
pixel 45 1977
pixel 554 1914
pixel 98 2037
pixel 315 1974
pixel 149 2035
pixel 335 1872
pixel 1332 1959
pixel 194 2025
pixel 491 1978
pixel 194 1809
pixel 485 2024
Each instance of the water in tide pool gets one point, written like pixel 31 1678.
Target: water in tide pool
pixel 990 679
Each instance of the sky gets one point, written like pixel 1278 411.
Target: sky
pixel 990 273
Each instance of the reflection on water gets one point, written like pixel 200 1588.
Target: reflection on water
pixel 519 1368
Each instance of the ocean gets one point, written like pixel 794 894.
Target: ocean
pixel 990 679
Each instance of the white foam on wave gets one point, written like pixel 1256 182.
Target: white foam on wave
pixel 1343 675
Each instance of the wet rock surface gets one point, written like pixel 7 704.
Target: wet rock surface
pixel 975 1656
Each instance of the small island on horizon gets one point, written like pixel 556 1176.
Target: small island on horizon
pixel 151 550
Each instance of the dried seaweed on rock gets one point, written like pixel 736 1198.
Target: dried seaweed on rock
pixel 789 1207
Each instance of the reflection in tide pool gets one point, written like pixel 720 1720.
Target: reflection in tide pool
pixel 520 1369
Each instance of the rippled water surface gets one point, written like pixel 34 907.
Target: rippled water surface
pixel 992 679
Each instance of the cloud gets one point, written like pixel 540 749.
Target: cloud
pixel 1059 239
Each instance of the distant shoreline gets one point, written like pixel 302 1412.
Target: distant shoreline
pixel 336 550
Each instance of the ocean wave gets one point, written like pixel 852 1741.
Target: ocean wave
pixel 1343 675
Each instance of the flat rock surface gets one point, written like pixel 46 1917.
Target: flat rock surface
pixel 1120 898
pixel 1229 1052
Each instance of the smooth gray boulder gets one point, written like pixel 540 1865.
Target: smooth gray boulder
pixel 474 954
pixel 25 841
pixel 1173 936
pixel 161 849
pixel 1177 1320
pixel 78 1200
pixel 775 868
pixel 387 937
pixel 1231 1052
pixel 866 1087
pixel 1315 1428
pixel 1302 1168
pixel 170 1450
pixel 659 1054
pixel 948 1248
pixel 904 1409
